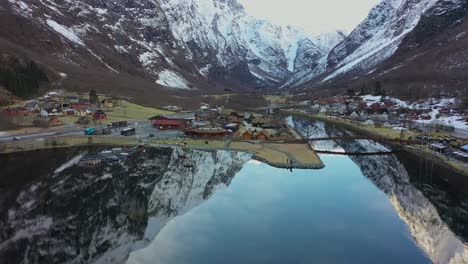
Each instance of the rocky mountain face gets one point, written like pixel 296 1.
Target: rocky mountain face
pixel 180 44
pixel 213 45
pixel 82 214
pixel 383 41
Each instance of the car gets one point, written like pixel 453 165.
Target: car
pixel 151 135
pixel 17 138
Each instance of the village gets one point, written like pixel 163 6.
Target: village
pixel 437 123
pixel 78 116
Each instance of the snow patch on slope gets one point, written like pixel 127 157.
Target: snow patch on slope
pixel 173 80
pixel 65 32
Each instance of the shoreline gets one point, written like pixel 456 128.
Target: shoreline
pixel 276 155
pixel 368 131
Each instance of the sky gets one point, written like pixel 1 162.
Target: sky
pixel 313 16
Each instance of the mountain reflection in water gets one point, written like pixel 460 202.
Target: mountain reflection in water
pixel 150 208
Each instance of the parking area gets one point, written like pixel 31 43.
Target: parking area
pixel 145 130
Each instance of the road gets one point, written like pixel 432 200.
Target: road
pixel 33 136
pixel 143 129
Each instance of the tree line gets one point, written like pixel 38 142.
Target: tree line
pixel 22 80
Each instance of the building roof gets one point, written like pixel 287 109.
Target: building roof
pixel 168 122
pixel 207 130
pixel 464 147
pixel 460 154
pixel 438 146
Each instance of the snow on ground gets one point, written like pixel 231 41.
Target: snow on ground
pixel 455 120
pixel 370 99
pixel 65 32
pixel 173 80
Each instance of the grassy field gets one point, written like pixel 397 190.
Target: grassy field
pixel 130 111
pixel 275 99
pixel 260 151
pixel 301 152
pixel 279 154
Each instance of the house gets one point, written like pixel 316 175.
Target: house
pixel 247 135
pixel 444 111
pixel 16 111
pixel 232 126
pixel 51 112
pixel 235 116
pixel 55 121
pixel 439 147
pixel 248 117
pixel 255 135
pixel 99 115
pixel 80 112
pixel 207 132
pixel 462 156
pixel 79 105
pixel 425 117
pixel 262 135
pixel 33 106
pixel 464 148
pixel 168 123
pixel 72 99
pixel 206 115
pixel 108 103
pixel 70 112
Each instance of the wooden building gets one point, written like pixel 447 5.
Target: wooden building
pixel 207 132
pixel 16 111
pixel 165 123
pixel 99 115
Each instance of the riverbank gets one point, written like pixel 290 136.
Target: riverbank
pixel 389 133
pixel 297 156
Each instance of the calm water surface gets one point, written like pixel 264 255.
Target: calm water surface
pixel 269 215
pixel 151 208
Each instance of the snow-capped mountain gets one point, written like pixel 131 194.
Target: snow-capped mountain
pixel 380 36
pixel 214 44
pixel 327 41
pixel 181 44
pixel 81 214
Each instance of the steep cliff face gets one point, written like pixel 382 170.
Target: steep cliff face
pixel 81 214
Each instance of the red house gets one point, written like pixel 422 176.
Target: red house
pixel 79 106
pixel 425 117
pixel 99 115
pixel 165 123
pixel 16 111
pixel 169 124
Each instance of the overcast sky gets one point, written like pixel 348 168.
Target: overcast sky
pixel 313 16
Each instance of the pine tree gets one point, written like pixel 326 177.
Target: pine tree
pixel 93 97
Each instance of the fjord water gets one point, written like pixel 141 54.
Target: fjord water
pixel 228 208
pixel 270 215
